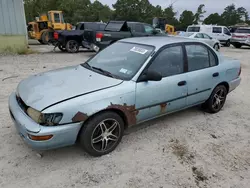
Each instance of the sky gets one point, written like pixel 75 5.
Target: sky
pixel 211 6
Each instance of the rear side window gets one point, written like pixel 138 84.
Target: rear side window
pixel 193 29
pixel 136 28
pixel 198 57
pixel 212 59
pixel 243 31
pixel 217 30
pixel 169 61
pixel 199 35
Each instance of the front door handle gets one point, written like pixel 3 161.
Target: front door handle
pixel 182 83
pixel 216 74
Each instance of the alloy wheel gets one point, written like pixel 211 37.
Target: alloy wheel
pixel 105 135
pixel 219 99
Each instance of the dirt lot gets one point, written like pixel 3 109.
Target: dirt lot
pixel 183 150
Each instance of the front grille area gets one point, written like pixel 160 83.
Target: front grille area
pixel 21 104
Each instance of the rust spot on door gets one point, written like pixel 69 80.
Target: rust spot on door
pixel 163 107
pixel 129 111
pixel 80 117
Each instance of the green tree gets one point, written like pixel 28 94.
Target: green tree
pixel 242 12
pixel 170 14
pixel 199 14
pixel 186 19
pixel 133 10
pixel 230 16
pixel 213 19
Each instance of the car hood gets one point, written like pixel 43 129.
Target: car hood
pixel 45 89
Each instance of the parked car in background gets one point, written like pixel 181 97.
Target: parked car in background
pixel 129 82
pixel 241 37
pixel 116 30
pixel 220 33
pixel 71 41
pixel 214 43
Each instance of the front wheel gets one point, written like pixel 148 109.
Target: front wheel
pixel 102 133
pixel 72 46
pixel 217 99
pixel 228 43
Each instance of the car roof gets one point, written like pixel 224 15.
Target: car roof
pixel 157 41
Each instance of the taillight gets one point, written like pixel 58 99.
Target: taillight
pixel 99 36
pixel 56 35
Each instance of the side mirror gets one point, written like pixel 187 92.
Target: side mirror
pixel 150 76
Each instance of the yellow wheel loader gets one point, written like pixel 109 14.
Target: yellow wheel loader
pixel 46 24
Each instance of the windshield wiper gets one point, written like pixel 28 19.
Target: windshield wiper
pixel 107 73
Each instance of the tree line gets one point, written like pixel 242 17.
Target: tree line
pixel 133 10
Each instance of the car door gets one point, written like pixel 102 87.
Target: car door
pixel 208 40
pixel 203 74
pixel 155 98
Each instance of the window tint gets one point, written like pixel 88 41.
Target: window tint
pixel 198 57
pixel 57 17
pixel 136 27
pixel 217 29
pixel 242 31
pixel 226 31
pixel 193 29
pixel 206 36
pixel 199 35
pixel 212 59
pixel 169 62
pixel 148 29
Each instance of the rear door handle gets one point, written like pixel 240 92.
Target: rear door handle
pixel 216 74
pixel 182 83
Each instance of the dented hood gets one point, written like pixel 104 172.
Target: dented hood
pixel 45 89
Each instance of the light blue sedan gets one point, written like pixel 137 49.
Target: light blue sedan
pixel 131 81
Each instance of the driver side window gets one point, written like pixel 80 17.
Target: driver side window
pixel 169 62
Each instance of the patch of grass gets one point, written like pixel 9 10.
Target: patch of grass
pixel 20 51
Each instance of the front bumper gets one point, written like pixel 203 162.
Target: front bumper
pixel 234 83
pixel 63 135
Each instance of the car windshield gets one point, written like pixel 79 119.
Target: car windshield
pixel 120 60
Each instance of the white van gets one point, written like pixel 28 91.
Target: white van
pixel 220 33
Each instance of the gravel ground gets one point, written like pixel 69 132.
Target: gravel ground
pixel 187 149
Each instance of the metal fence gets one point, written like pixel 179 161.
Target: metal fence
pixel 12 17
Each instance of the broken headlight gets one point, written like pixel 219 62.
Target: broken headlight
pixel 48 119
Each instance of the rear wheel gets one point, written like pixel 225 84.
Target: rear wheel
pixel 102 133
pixel 217 99
pixel 237 45
pixel 72 46
pixel 40 41
pixel 45 37
pixel 216 47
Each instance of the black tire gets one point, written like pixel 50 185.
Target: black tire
pixel 237 45
pixel 217 47
pixel 72 46
pixel 228 43
pixel 95 139
pixel 45 37
pixel 62 48
pixel 212 104
pixel 41 42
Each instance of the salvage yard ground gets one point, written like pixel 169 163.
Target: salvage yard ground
pixel 187 149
